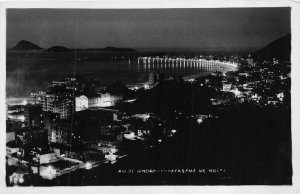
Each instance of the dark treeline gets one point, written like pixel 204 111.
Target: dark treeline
pixel 169 96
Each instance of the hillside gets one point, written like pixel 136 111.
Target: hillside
pixel 112 49
pixel 280 48
pixel 56 49
pixel 26 45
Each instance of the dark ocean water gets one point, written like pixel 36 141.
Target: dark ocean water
pixel 29 71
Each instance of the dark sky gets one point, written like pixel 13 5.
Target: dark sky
pixel 148 28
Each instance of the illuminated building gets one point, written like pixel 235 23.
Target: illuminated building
pixel 280 96
pixel 81 103
pixel 48 172
pixel 10 136
pixel 50 121
pixel 59 98
pixel 226 86
pixel 144 116
pixel 105 100
pixel 11 149
pixel 16 116
pixel 69 83
pixel 47 158
pixel 60 132
pixel 56 103
pixel 38 98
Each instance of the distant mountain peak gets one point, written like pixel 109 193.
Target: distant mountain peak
pixel 57 49
pixel 111 49
pixel 26 45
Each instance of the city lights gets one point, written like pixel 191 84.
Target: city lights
pixel 21 180
pixel 199 120
pixel 88 165
pixel 146 86
pixel 24 102
pixel 177 108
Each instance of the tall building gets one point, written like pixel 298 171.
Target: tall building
pixel 50 122
pixel 59 97
pixel 38 98
pixel 60 132
pixel 33 116
pixel 61 103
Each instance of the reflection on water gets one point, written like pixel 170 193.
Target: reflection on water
pixel 29 71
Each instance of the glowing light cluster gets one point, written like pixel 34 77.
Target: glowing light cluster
pixel 88 165
pixel 199 120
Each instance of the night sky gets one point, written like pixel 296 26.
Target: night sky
pixel 148 28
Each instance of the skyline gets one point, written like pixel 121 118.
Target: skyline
pixel 211 28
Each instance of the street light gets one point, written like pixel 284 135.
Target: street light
pixel 88 165
pixel 21 180
pixel 145 86
pixel 199 120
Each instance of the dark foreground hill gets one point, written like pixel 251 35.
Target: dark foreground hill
pixel 26 45
pixel 280 49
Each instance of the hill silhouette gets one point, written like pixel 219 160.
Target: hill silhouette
pixel 280 49
pixel 119 88
pixel 55 49
pixel 26 45
pixel 111 49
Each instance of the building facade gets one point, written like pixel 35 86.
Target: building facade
pixel 61 103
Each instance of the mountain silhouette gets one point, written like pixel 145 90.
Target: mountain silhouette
pixel 26 45
pixel 111 49
pixel 280 49
pixel 56 49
